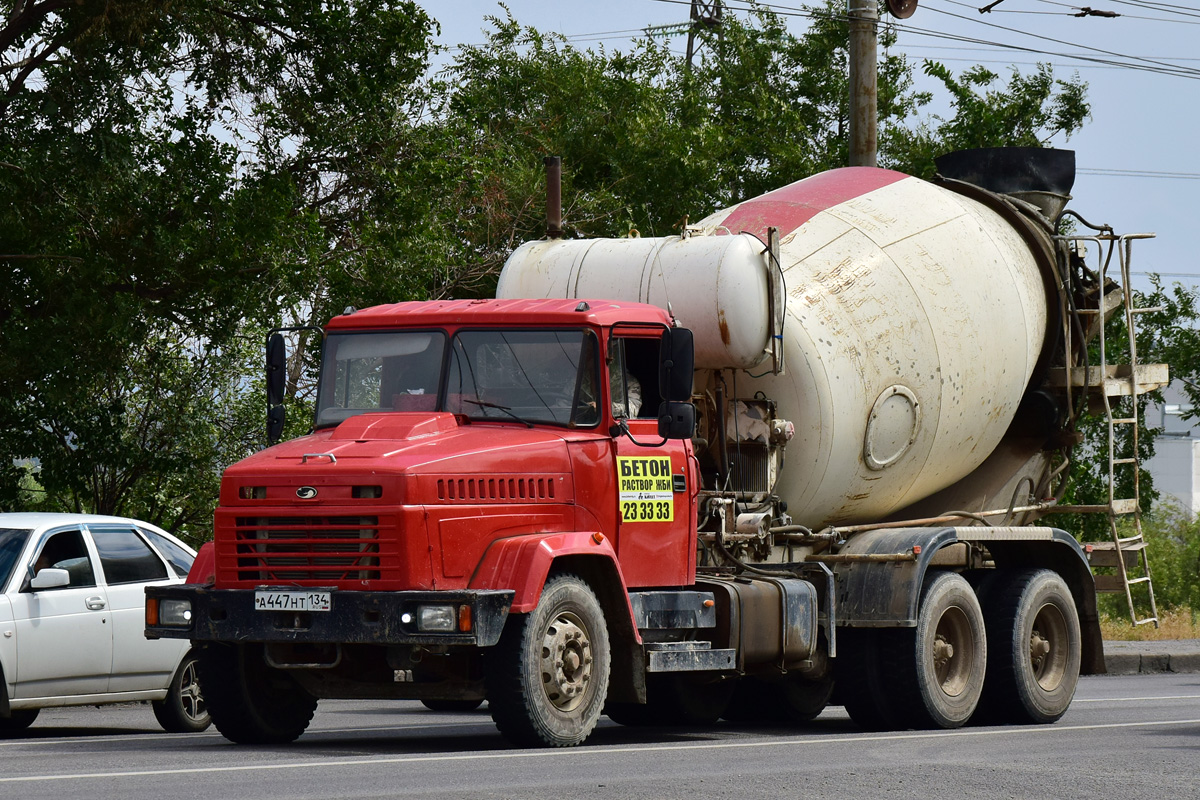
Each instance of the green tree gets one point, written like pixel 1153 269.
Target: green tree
pixel 1030 111
pixel 1166 335
pixel 176 171
pixel 185 173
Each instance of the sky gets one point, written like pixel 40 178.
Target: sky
pixel 1137 158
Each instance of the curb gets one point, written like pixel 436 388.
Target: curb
pixel 1148 658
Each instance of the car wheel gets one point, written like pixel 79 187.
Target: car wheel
pixel 183 709
pixel 17 721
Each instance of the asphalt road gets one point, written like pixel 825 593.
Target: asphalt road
pixel 1126 737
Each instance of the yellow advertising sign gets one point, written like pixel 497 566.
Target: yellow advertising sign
pixel 644 488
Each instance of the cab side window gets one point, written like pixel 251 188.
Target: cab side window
pixel 125 558
pixel 633 377
pixel 66 550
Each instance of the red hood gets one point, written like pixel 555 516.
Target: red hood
pixel 384 448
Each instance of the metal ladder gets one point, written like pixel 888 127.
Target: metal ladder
pixel 1125 553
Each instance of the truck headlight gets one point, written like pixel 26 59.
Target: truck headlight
pixel 437 618
pixel 174 613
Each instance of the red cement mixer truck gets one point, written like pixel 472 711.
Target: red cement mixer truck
pixel 795 456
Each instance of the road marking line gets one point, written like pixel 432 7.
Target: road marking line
pixel 160 737
pixel 1137 699
pixel 593 751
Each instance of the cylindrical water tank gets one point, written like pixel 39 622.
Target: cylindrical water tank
pixel 915 317
pixel 716 285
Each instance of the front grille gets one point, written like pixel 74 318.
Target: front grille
pixel 326 549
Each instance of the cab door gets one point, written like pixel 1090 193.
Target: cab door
pixel 655 485
pixel 64 634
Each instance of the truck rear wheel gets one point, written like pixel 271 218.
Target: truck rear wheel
pixel 1034 648
pixel 547 678
pixel 860 680
pixel 948 657
pixel 250 702
pixel 930 676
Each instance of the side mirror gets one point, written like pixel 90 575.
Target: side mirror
pixel 676 420
pixel 50 578
pixel 276 415
pixel 276 369
pixel 676 359
pixel 276 375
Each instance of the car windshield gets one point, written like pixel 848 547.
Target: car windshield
pixel 373 372
pixel 12 542
pixel 533 376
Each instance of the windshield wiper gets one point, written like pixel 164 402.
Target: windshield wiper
pixel 505 409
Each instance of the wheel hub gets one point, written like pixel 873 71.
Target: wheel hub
pixel 1047 657
pixel 952 661
pixel 566 662
pixel 189 694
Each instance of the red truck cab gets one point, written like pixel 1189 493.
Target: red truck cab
pixel 459 450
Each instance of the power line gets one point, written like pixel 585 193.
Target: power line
pixel 990 49
pixel 1139 173
pixel 1130 62
pixel 1162 66
pixel 1081 11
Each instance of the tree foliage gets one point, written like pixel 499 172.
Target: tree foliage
pixel 183 174
pixel 175 171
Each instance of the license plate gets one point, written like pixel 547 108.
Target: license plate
pixel 291 601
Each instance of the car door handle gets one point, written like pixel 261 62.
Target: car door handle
pixel 95 603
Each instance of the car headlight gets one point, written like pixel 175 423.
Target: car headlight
pixel 437 618
pixel 174 612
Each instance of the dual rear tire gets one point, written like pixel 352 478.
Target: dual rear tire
pixel 1013 658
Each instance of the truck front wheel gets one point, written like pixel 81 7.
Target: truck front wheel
pixel 250 702
pixel 1034 648
pixel 547 678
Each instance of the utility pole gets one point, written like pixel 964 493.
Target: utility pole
pixel 864 88
pixel 706 13
pixel 864 74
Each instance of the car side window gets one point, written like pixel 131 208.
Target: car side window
pixel 180 559
pixel 66 550
pixel 125 558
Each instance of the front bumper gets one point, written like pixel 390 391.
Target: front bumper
pixel 228 615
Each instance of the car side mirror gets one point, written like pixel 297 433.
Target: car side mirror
pixel 50 578
pixel 676 358
pixel 676 420
pixel 276 375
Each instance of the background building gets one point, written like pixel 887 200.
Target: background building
pixel 1176 463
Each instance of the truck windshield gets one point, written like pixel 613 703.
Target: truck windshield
pixel 535 376
pixel 373 372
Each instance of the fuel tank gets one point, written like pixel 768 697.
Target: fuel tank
pixel 911 318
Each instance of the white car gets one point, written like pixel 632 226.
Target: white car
pixel 72 619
